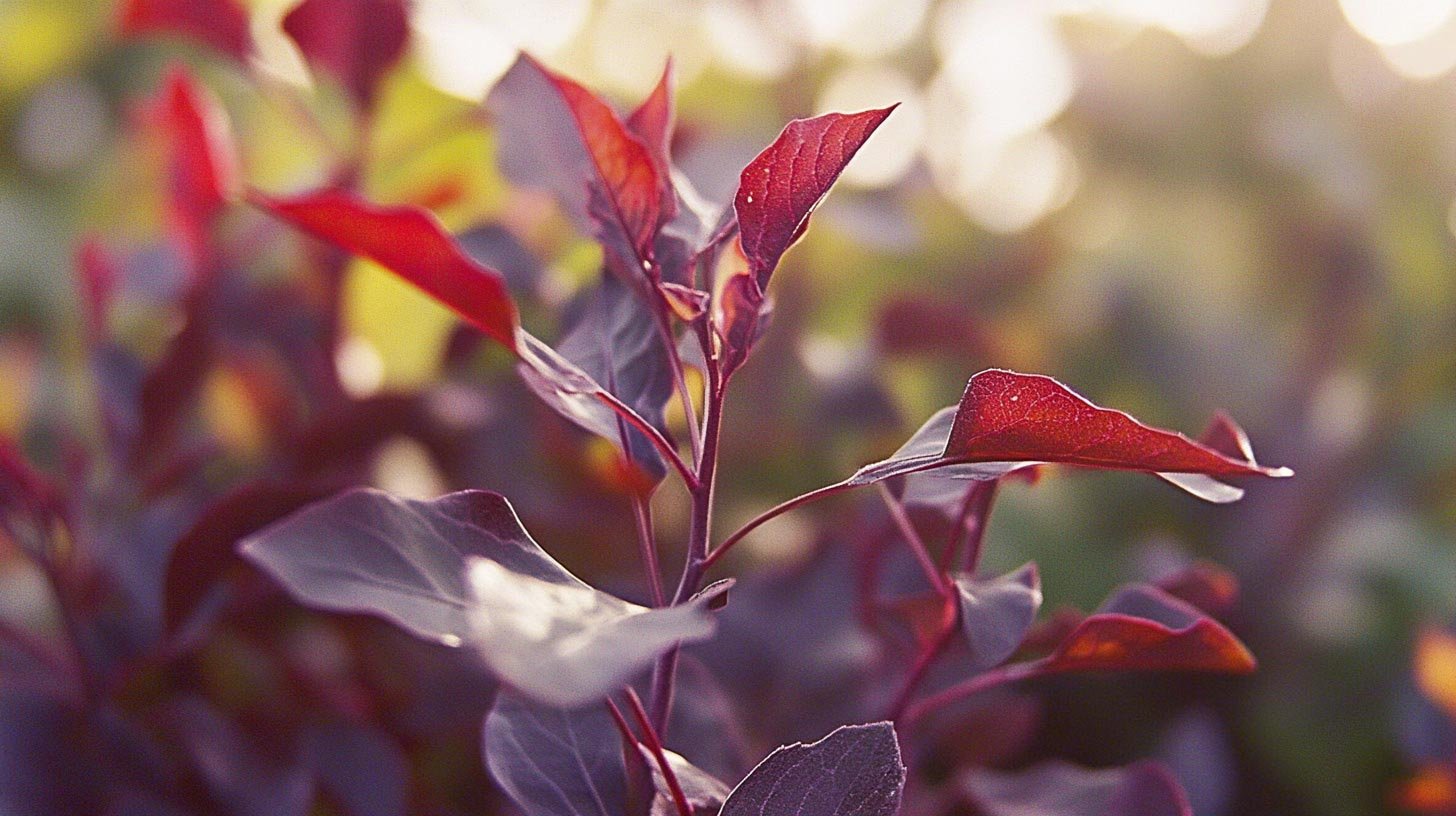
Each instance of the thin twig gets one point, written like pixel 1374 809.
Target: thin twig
pixel 654 745
pixel 913 539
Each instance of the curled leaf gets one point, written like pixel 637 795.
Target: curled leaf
pixel 1142 628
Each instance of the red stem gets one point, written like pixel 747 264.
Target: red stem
pixel 769 514
pixel 654 744
pixel 915 542
pixel 977 684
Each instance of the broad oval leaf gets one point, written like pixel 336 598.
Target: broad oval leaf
pixel 855 771
pixel 460 569
pixel 221 24
pixel 555 762
pixel 355 41
pixel 1059 788
pixel 1007 421
pixel 1142 628
pixel 779 189
pixel 557 135
pixel 997 613
pixel 410 242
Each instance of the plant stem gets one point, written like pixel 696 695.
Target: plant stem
pixel 642 514
pixel 921 668
pixel 913 539
pixel 975 509
pixel 769 514
pixel 653 435
pixel 680 384
pixel 654 745
pixel 699 532
pixel 977 684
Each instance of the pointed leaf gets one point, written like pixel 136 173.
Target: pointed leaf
pixel 411 243
pixel 1142 628
pixel 1008 421
pixel 221 24
pixel 554 762
pixel 557 135
pixel 575 395
pixel 653 120
pixel 202 162
pixel 779 189
pixel 1059 788
pixel 996 614
pixel 461 569
pixel 615 342
pixel 355 41
pixel 855 771
pixel 1008 416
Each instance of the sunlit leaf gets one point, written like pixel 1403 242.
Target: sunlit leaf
pixel 1007 421
pixel 460 569
pixel 779 189
pixel 411 243
pixel 557 135
pixel 1142 628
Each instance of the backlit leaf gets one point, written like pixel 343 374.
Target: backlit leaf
pixel 1007 421
pixel 411 243
pixel 1142 628
pixel 779 189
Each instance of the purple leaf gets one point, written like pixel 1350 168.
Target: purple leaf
pixel 997 613
pixel 779 189
pixel 355 41
pixel 241 776
pixel 554 762
pixel 855 771
pixel 615 342
pixel 460 569
pixel 1062 789
pixel 1008 421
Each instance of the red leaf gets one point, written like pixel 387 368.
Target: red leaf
pixel 1225 436
pixel 1005 416
pixel 411 243
pixel 355 41
pixel 1144 629
pixel 653 120
pixel 221 24
pixel 557 134
pixel 202 159
pixel 780 188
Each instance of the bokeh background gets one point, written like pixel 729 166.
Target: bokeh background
pixel 1172 205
